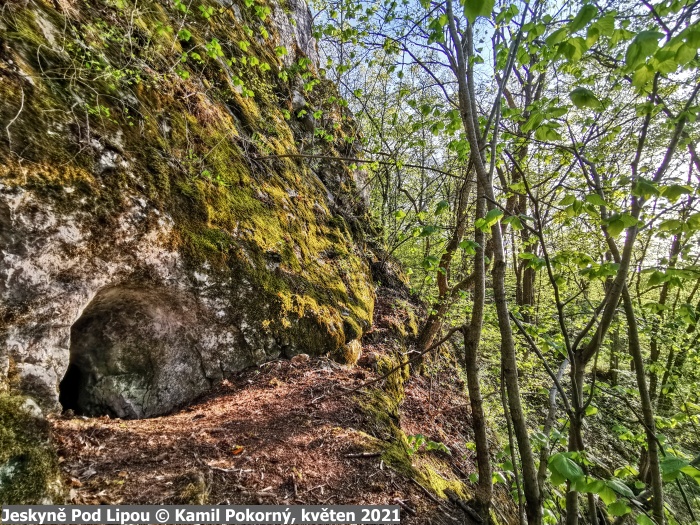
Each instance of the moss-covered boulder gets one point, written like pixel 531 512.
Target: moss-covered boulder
pixel 28 467
pixel 156 147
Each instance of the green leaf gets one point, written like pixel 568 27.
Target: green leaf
pixel 557 112
pixel 565 467
pixel 605 25
pixel 399 214
pixel 643 76
pixel 693 221
pixel 595 199
pixel 592 35
pixel 608 495
pixel 477 8
pixel 514 222
pixel 591 410
pixel 685 54
pixel 671 225
pixel 620 35
pixel 580 484
pixel 437 445
pixel 535 120
pixel 430 263
pixel 427 231
pixel 619 222
pixel 618 508
pixel 615 227
pixel 498 477
pixel 585 15
pixel 674 191
pixel 619 487
pixel 489 220
pixel 574 48
pixel 664 66
pixel 692 36
pixel 468 246
pixel 594 487
pixel 656 278
pixel 671 467
pixel 692 473
pixel 575 209
pixel 584 98
pixel 556 479
pixel 546 132
pixel 643 519
pixel 442 207
pixel 644 45
pixel 644 188
pixel 558 36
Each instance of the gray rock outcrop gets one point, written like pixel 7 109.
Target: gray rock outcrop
pixel 157 231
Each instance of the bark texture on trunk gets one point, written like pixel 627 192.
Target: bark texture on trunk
pixel 472 336
pixel 647 410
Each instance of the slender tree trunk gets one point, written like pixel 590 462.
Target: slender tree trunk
pixel 654 345
pixel 528 291
pixel 467 106
pixel 533 508
pixel 513 457
pixel 434 322
pixel 647 410
pixel 517 270
pixel 674 367
pixel 577 373
pixel 472 337
pixel 663 402
pixel 614 356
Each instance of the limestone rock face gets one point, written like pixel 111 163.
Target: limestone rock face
pixel 158 229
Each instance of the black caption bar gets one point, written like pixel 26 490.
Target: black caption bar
pixel 198 514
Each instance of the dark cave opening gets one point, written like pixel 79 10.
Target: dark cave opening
pixel 70 387
pixel 132 354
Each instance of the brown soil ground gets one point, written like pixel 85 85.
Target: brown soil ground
pixel 282 433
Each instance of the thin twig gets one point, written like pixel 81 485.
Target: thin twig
pixel 405 507
pixel 363 455
pixel 7 128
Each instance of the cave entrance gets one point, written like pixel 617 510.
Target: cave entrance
pixel 93 338
pixel 75 380
pixel 70 387
pixel 133 354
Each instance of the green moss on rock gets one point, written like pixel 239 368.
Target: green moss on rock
pixel 28 465
pixel 174 113
pixel 382 408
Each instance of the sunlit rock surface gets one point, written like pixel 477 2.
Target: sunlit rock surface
pixel 158 229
